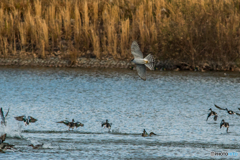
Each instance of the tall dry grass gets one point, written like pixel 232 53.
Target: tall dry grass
pixel 191 31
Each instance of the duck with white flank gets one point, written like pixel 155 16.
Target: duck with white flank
pixel 141 62
pixel 212 113
pixel 224 124
pixel 145 134
pixel 3 117
pixel 228 111
pixel 71 124
pixel 26 120
pixel 106 124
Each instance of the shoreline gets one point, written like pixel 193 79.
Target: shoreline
pixel 111 63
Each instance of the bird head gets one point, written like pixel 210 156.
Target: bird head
pixel 210 109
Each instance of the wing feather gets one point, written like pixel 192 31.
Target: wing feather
pixel 2 115
pixel 7 113
pixel 135 50
pixel 32 120
pixel 66 122
pixel 218 107
pixel 141 69
pixel 3 137
pixel 19 118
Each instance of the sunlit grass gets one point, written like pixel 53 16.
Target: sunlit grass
pixel 191 31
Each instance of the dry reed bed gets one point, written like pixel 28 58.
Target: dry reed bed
pixel 190 31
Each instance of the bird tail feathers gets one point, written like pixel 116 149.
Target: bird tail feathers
pixel 150 63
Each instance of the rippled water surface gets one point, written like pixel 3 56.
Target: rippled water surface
pixel 174 105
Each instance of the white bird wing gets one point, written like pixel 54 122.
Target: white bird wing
pixel 135 50
pixel 141 69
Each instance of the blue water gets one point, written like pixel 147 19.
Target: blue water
pixel 174 105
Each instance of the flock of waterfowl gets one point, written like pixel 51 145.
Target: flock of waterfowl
pixel 223 123
pixel 28 120
pixel 141 64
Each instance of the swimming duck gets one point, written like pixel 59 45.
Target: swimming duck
pixel 228 111
pixel 2 138
pixel 224 124
pixel 106 124
pixel 145 134
pixel 3 117
pixel 36 146
pixel 212 113
pixel 26 120
pixel 71 124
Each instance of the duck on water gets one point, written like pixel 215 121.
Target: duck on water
pixel 145 134
pixel 224 124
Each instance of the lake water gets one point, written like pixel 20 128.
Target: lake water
pixel 174 105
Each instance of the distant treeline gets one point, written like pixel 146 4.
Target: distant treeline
pixel 189 31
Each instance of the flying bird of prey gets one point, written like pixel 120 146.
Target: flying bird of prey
pixel 3 117
pixel 71 124
pixel 141 62
pixel 228 111
pixel 26 120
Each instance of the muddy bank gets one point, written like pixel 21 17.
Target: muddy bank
pixel 111 63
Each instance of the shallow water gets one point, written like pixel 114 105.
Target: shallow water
pixel 174 105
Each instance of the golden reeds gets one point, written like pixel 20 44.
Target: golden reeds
pixel 191 31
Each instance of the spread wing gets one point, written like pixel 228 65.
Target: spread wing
pixel 141 69
pixel 31 119
pixel 20 118
pixel 7 112
pixel 135 50
pixel 2 115
pixel 238 114
pixel 208 116
pixel 103 124
pixel 66 122
pixel 218 107
pixel 3 137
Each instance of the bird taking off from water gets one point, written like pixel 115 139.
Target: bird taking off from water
pixel 3 117
pixel 212 113
pixel 224 124
pixel 141 62
pixel 26 120
pixel 71 124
